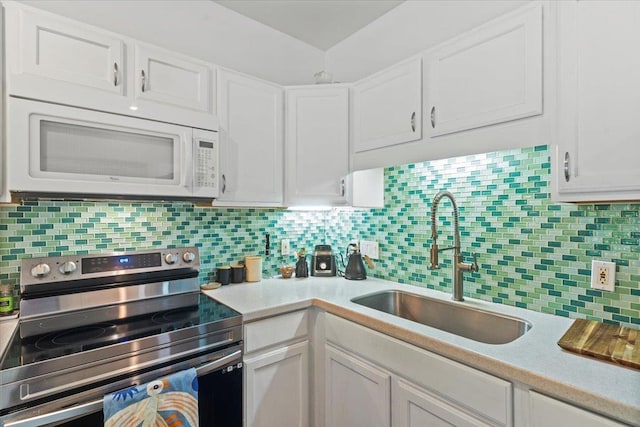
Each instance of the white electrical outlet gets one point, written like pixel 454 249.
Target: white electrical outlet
pixel 603 275
pixel 285 247
pixel 370 248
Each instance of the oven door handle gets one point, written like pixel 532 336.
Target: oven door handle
pixel 87 408
pixel 212 366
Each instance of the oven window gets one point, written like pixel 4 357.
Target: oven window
pixel 74 149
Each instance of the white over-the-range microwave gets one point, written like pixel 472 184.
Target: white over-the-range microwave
pixel 56 151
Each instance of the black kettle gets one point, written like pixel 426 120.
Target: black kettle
pixel 354 270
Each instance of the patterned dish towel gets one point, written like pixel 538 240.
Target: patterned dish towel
pixel 170 401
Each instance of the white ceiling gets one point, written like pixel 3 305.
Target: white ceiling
pixel 320 23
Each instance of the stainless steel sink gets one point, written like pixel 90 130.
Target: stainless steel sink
pixel 468 322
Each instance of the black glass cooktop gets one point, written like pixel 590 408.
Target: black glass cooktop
pixel 24 351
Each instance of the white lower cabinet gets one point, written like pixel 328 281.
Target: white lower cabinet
pixel 412 406
pixel 360 363
pixel 357 392
pixel 276 373
pixel 356 376
pixel 545 411
pixel 278 387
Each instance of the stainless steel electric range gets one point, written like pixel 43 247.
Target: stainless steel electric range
pixel 94 324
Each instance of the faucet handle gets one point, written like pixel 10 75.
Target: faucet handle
pixel 474 266
pixel 434 257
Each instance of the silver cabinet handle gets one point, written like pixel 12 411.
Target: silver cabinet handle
pixel 224 183
pixel 567 173
pixel 342 187
pixel 413 121
pixel 144 80
pixel 433 117
pixel 115 74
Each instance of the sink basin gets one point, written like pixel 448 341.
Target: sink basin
pixel 456 318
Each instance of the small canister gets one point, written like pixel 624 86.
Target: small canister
pixel 237 273
pixel 6 300
pixel 253 265
pixel 224 274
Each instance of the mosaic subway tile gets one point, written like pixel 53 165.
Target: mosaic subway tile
pixel 533 254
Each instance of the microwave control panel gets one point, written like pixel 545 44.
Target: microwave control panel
pixel 205 157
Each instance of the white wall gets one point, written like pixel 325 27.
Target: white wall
pixel 408 29
pixel 202 29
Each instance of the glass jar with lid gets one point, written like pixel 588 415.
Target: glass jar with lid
pixel 6 300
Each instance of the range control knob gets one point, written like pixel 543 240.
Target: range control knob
pixel 67 267
pixel 170 258
pixel 188 256
pixel 40 270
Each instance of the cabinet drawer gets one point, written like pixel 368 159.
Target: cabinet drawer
pixel 546 411
pixel 275 330
pixel 485 395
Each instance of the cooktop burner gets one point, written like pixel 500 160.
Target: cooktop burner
pixel 81 334
pixel 24 351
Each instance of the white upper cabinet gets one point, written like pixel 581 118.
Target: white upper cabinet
pixel 317 145
pixel 55 56
pixel 55 59
pixel 490 75
pixel 597 150
pixel 387 107
pixel 250 111
pixel 491 88
pixel 173 79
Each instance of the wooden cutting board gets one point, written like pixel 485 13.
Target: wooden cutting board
pixel 617 344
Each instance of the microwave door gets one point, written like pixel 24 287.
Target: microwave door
pixel 61 150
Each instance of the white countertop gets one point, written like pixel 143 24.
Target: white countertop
pixel 7 326
pixel 534 359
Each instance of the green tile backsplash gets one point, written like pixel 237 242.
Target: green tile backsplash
pixel 532 253
pixel 223 236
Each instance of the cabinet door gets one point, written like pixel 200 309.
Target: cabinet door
pixel 387 107
pixel 490 75
pixel 277 387
pixel 357 393
pixel 169 78
pixel 54 58
pixel 597 151
pixel 545 411
pixel 415 407
pixel 317 145
pixel 252 139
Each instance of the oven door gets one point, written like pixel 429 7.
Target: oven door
pixel 59 150
pixel 219 396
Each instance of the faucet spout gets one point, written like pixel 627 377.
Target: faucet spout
pixel 458 265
